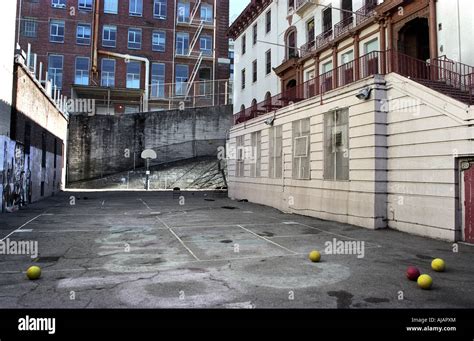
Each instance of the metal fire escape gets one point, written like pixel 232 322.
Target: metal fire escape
pixel 193 43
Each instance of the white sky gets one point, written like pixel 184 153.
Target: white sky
pixel 236 7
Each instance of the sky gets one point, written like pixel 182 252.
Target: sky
pixel 236 7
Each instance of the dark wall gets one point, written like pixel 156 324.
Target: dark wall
pixel 103 145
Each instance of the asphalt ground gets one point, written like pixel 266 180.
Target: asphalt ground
pixel 202 250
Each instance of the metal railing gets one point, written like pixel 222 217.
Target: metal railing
pixel 192 94
pixel 362 67
pixel 460 78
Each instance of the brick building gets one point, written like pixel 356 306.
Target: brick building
pixel 131 55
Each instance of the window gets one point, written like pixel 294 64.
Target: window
pixel 254 71
pixel 55 70
pixel 310 31
pixel 181 79
pixel 58 3
pixel 255 33
pixel 371 46
pixel 158 41
pixel 85 5
pixel 268 21
pixel 206 13
pixel 109 36
pixel 240 149
pixel 301 149
pixel 83 34
pixel 111 6
pixel 327 21
pixel 291 44
pixel 205 85
pixel 243 79
pixel 135 8
pixel 255 166
pixel 108 73
pixel 82 71
pixel 268 62
pixel 159 9
pixel 182 43
pixel 158 80
pixel 244 44
pixel 183 12
pixel 30 28
pixel 347 57
pixel 206 45
pixel 56 31
pixel 133 75
pixel 291 5
pixel 336 145
pixel 275 152
pixel 134 38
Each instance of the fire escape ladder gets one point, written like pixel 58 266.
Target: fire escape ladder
pixel 195 38
pixel 193 75
pixel 194 11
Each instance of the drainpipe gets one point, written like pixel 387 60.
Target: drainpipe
pixel 95 38
pixel 147 71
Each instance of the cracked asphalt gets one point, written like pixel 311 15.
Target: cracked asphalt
pixel 203 250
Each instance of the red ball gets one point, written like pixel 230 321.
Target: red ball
pixel 413 273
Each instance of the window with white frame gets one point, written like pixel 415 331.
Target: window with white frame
pixel 160 8
pixel 30 27
pixel 55 70
pixel 135 8
pixel 206 45
pixel 183 10
pixel 111 6
pixel 158 41
pixel 109 36
pixel 240 156
pixel 243 79
pixel 85 5
pixel 244 44
pixel 275 153
pixel 108 73
pixel 56 31
pixel 58 3
pixel 83 34
pixel 82 71
pixel 133 75
pixel 256 165
pixel 182 43
pixel 134 38
pixel 181 79
pixel 268 21
pixel 207 14
pixel 301 149
pixel 254 34
pixel 158 80
pixel 336 145
pixel 268 62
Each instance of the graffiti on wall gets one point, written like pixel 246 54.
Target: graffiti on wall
pixel 16 178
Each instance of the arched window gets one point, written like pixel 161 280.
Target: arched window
pixel 268 102
pixel 254 104
pixel 242 109
pixel 290 43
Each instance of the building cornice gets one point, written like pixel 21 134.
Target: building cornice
pixel 248 15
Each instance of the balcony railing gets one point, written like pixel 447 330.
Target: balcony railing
pixel 365 12
pixel 301 5
pixel 457 75
pixel 343 26
pixel 365 66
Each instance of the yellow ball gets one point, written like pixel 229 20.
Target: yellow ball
pixel 33 272
pixel 438 265
pixel 425 282
pixel 315 256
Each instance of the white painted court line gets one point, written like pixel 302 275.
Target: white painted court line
pixel 24 231
pixel 172 232
pixel 268 240
pixel 29 221
pixel 144 203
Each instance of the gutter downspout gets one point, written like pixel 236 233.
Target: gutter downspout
pixel 96 38
pixel 147 71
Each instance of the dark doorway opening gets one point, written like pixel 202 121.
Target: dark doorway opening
pixel 414 39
